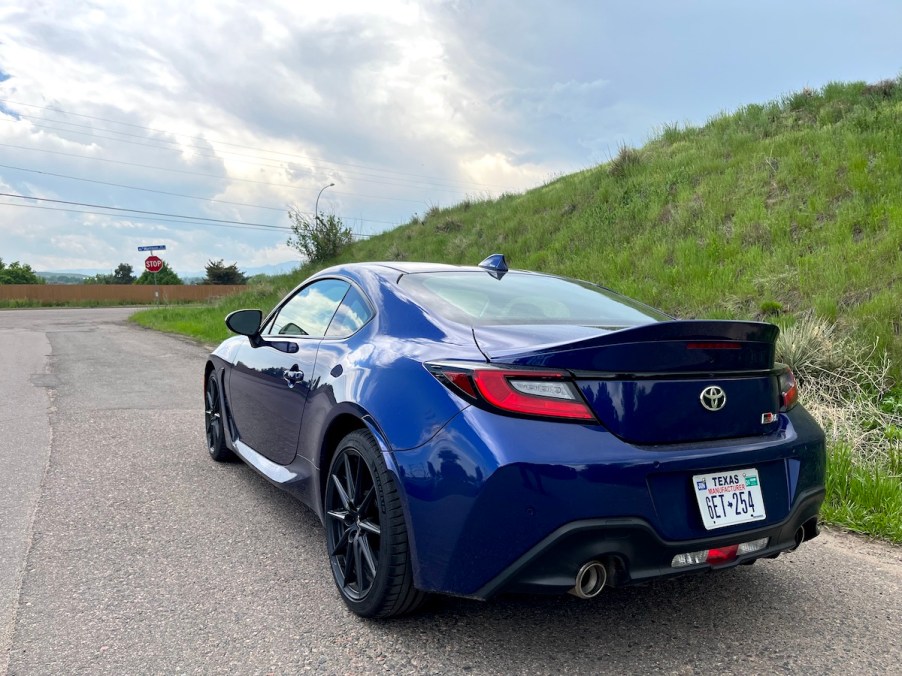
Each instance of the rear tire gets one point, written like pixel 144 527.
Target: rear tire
pixel 213 422
pixel 366 535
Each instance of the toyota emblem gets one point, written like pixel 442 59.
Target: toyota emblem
pixel 713 398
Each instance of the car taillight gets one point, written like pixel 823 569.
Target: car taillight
pixel 789 390
pixel 546 393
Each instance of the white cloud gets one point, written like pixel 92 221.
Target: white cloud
pixel 401 104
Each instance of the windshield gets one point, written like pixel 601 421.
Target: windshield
pixel 478 299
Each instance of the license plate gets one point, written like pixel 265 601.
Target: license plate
pixel 729 498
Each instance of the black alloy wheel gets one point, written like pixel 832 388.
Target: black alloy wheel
pixel 213 422
pixel 365 532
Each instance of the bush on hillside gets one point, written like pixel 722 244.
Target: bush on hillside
pixel 318 239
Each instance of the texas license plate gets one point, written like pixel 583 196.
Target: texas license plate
pixel 729 498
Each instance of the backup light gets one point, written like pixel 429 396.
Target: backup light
pixel 719 555
pixel 753 546
pixel 543 388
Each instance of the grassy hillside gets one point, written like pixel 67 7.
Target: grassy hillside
pixel 783 211
pixel 767 212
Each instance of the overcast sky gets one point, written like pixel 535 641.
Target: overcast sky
pixel 235 110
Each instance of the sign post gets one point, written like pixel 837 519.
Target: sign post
pixel 154 264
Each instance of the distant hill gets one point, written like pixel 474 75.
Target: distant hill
pixel 62 277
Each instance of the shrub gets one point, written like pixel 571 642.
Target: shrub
pixel 220 273
pixel 845 388
pixel 318 239
pixel 770 307
pixel 883 89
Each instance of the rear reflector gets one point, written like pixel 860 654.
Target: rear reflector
pixel 718 556
pixel 722 554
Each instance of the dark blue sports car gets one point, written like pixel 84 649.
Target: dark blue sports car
pixel 476 430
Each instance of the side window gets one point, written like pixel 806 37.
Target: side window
pixel 310 310
pixel 352 314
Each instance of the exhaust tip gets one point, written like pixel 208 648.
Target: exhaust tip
pixel 799 538
pixel 812 528
pixel 590 580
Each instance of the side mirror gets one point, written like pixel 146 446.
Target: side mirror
pixel 245 322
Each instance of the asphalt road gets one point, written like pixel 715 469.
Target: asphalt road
pixel 125 550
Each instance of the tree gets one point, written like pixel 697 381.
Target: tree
pixel 99 278
pixel 220 273
pixel 17 273
pixel 121 275
pixel 320 239
pixel 163 277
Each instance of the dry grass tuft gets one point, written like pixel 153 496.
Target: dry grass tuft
pixel 395 253
pixel 843 385
pixel 449 225
pixel 626 159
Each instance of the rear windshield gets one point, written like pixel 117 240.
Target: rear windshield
pixel 476 298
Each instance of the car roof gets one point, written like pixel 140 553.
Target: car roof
pixel 393 268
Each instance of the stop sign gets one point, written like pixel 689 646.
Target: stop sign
pixel 153 264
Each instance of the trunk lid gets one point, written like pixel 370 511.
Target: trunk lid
pixel 659 383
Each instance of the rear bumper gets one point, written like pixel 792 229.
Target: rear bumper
pixel 633 551
pixel 495 503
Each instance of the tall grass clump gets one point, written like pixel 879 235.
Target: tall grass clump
pixel 626 159
pixel 844 384
pixel 846 388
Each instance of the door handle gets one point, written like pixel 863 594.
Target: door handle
pixel 293 376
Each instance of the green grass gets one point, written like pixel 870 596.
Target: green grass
pixel 770 212
pixel 862 498
pixel 205 322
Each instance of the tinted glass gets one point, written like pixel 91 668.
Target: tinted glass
pixel 478 299
pixel 351 315
pixel 309 312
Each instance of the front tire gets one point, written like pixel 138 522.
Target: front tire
pixel 366 534
pixel 214 428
